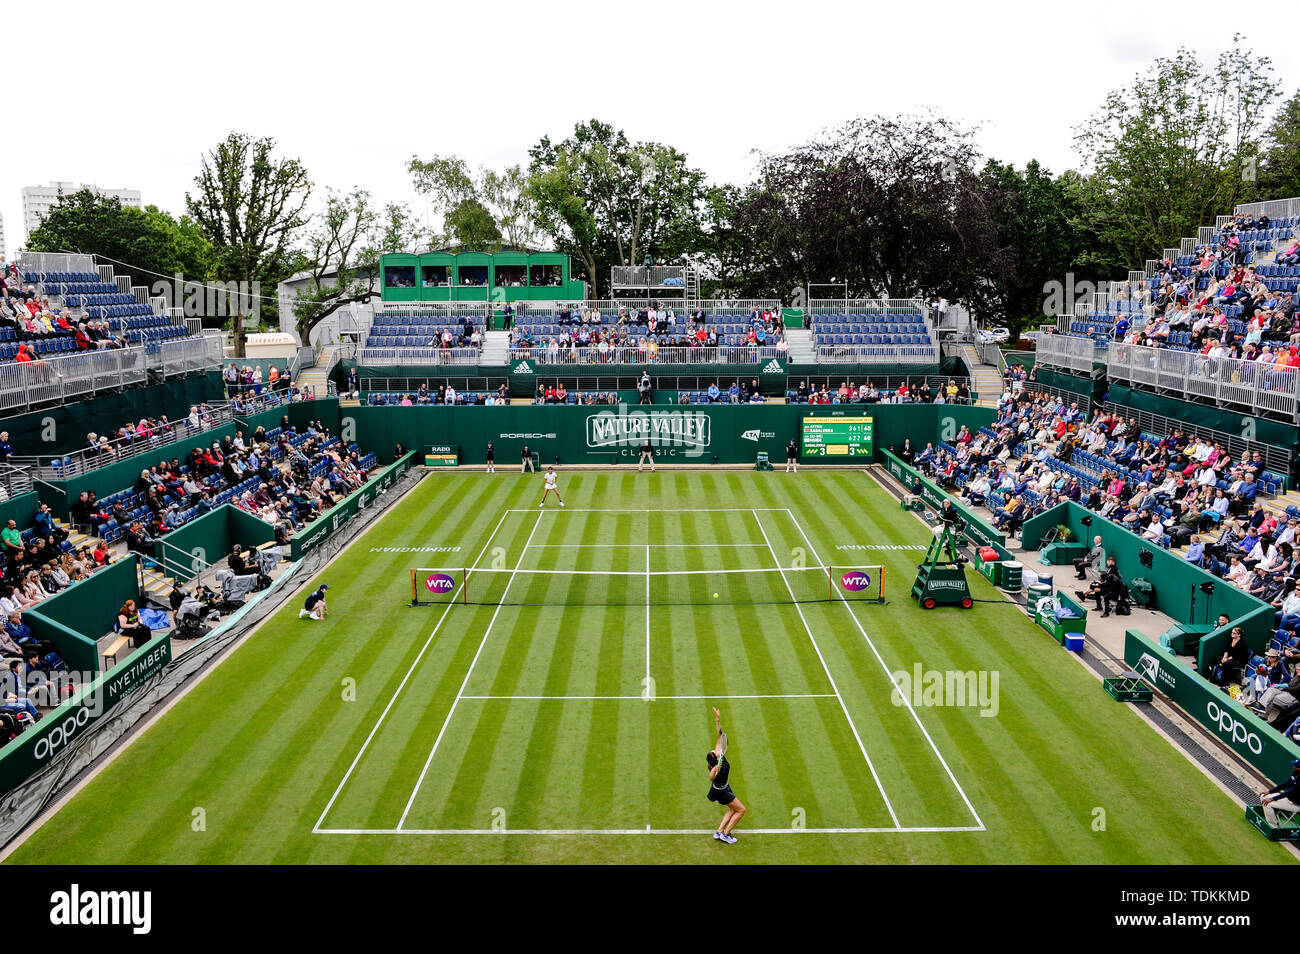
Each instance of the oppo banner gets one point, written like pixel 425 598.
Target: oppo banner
pixel 34 749
pixel 1263 746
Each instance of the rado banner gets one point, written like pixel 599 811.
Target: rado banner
pixel 671 433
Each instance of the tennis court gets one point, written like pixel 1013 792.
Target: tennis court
pixel 561 710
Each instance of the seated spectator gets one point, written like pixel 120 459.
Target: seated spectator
pixel 130 625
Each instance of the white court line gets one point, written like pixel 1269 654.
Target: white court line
pixel 474 662
pixel 648 578
pixel 638 831
pixel 402 684
pixel 774 695
pixel 629 546
pixel 674 510
pixel 827 670
pixel 916 718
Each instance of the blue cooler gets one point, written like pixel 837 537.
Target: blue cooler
pixel 1074 642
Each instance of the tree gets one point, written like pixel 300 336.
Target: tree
pixel 147 243
pixel 609 201
pixel 1037 241
pixel 889 205
pixel 479 208
pixel 1279 174
pixel 1171 151
pixel 343 252
pixel 250 205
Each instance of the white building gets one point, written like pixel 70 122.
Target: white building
pixel 38 200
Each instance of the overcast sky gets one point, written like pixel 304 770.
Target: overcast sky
pixel 131 95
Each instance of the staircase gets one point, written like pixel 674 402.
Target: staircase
pixel 156 584
pixel 802 349
pixel 316 377
pixel 986 380
pixel 496 348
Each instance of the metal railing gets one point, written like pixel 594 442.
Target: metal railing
pixel 642 353
pixel 15 479
pixel 878 354
pixel 611 306
pixel 652 276
pixel 866 306
pixel 1273 208
pixel 1225 382
pixel 58 380
pixel 55 262
pixel 465 385
pixel 1072 352
pixel 184 355
pixel 1061 394
pixel 384 357
pixel 85 459
pixel 1276 459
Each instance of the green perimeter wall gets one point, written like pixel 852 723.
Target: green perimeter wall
pixel 58 430
pixel 1173 579
pixel 32 750
pixel 76 618
pixel 21 509
pixel 1263 746
pixel 978 531
pixel 208 540
pixel 695 433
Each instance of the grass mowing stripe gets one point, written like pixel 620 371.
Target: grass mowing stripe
pixel 397 692
pixel 906 702
pixel 861 746
pixel 452 711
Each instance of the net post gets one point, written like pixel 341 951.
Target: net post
pixel 464 585
pixel 414 595
pixel 882 583
pixel 830 585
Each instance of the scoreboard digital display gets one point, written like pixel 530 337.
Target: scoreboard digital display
pixel 846 436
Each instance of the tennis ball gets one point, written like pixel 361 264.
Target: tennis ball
pixel 715 596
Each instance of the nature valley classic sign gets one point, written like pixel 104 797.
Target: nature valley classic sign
pixel 670 433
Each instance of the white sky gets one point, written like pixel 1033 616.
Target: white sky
pixel 353 89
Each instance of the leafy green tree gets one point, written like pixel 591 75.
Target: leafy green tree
pixel 1038 242
pixel 890 206
pixel 251 206
pixel 342 253
pixel 146 243
pixel 479 208
pixel 1171 151
pixel 609 201
pixel 1279 174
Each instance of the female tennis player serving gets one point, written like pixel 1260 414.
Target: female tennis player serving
pixel 551 488
pixel 719 786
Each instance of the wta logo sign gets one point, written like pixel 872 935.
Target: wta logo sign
pixel 439 583
pixel 855 580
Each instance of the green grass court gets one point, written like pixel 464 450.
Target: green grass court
pixel 564 716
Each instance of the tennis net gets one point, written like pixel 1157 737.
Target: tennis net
pixel 552 587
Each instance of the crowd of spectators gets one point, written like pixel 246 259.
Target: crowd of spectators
pixel 1219 305
pixel 1180 490
pixel 867 393
pixel 641 336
